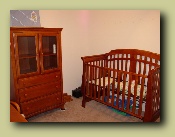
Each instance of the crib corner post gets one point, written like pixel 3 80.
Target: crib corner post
pixel 83 86
pixel 147 118
pixel 148 108
pixel 83 93
pixel 148 111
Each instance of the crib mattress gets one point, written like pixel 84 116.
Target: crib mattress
pixel 106 79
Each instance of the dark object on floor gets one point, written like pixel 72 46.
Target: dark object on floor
pixel 77 92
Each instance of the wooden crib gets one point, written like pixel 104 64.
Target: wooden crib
pixel 125 79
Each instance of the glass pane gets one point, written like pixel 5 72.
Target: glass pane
pixel 50 62
pixel 49 44
pixel 26 45
pixel 28 65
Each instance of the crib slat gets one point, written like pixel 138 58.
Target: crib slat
pixel 110 61
pixel 129 91
pixel 103 84
pixel 91 78
pixel 113 88
pixel 139 72
pixel 141 96
pixel 99 86
pixel 135 94
pixel 87 77
pixel 108 90
pixel 123 91
pixel 117 62
pixel 103 76
pixel 121 63
pixel 150 64
pixel 126 63
pixel 95 79
pixel 118 87
pixel 114 64
pixel 144 68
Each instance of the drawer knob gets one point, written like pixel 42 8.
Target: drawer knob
pixel 25 95
pixel 56 76
pixel 57 98
pixel 56 86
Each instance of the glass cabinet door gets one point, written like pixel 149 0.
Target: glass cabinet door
pixel 49 52
pixel 26 46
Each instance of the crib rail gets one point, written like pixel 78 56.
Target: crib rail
pixel 94 58
pixel 106 86
pixel 133 60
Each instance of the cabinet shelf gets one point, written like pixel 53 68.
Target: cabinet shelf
pixel 27 71
pixel 27 56
pixel 49 54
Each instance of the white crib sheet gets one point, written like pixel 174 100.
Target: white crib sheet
pixel 121 85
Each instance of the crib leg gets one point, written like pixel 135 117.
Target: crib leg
pixel 85 99
pixel 83 103
pixel 62 107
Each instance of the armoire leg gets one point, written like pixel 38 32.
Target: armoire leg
pixel 62 107
pixel 83 102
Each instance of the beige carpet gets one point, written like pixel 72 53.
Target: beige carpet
pixel 93 112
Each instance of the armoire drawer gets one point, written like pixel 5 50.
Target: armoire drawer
pixel 33 92
pixel 39 79
pixel 41 104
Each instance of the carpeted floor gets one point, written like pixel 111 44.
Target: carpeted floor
pixel 93 112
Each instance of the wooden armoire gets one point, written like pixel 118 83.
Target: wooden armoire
pixel 36 69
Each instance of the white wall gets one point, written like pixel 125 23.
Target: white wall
pixel 89 32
